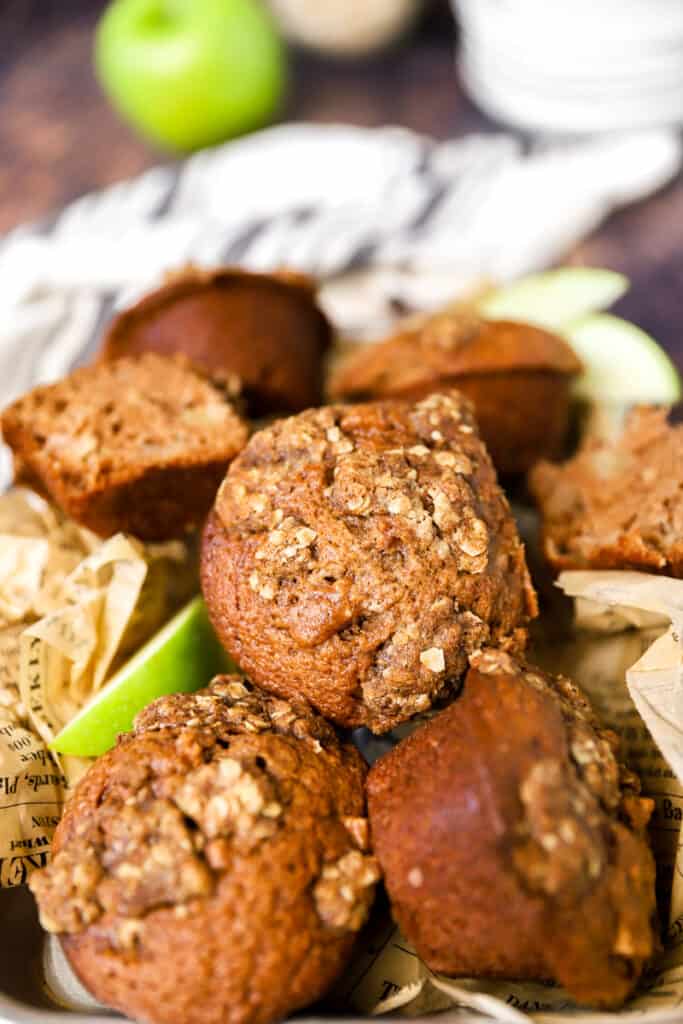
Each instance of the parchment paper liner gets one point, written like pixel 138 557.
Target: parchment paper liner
pixel 72 607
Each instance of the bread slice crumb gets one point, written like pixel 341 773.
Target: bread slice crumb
pixel 138 445
pixel 617 505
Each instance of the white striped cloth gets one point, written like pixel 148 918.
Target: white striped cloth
pixel 378 213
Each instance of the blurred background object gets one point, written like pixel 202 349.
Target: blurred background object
pixel 345 28
pixel 588 65
pixel 191 73
pixel 60 137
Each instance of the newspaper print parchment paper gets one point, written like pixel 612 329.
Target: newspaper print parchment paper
pixel 71 608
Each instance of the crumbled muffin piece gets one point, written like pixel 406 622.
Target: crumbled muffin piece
pixel 617 505
pixel 512 840
pixel 266 329
pixel 138 445
pixel 517 376
pixel 211 867
pixel 357 555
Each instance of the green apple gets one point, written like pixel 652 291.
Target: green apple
pixel 554 298
pixel 621 363
pixel 191 73
pixel 181 657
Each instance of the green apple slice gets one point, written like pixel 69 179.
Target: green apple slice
pixel 555 298
pixel 622 364
pixel 183 656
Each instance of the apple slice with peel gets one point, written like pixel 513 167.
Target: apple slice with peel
pixel 555 298
pixel 183 656
pixel 622 364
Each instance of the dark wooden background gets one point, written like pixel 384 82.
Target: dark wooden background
pixel 59 138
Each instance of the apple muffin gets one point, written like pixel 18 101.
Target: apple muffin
pixel 266 329
pixel 617 504
pixel 356 556
pixel 138 445
pixel 211 867
pixel 513 842
pixel 518 376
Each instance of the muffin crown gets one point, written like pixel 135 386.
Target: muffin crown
pixel 372 543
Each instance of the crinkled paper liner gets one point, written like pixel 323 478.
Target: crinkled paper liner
pixel 72 607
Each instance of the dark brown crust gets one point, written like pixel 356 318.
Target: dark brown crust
pixel 522 415
pixel 160 505
pixel 512 843
pixel 357 554
pixel 517 375
pixel 212 918
pixel 153 497
pixel 616 505
pixel 267 329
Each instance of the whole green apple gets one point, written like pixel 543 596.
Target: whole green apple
pixel 190 73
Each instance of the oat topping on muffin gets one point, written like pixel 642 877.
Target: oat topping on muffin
pixel 343 894
pixel 233 704
pixel 218 851
pixel 357 555
pixel 516 374
pixel 513 842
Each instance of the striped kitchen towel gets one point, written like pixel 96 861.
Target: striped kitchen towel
pixel 377 213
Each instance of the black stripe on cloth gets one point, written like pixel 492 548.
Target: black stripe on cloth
pixel 92 343
pixel 165 206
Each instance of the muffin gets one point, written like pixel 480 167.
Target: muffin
pixel 209 869
pixel 356 555
pixel 617 504
pixel 138 445
pixel 518 376
pixel 513 842
pixel 266 329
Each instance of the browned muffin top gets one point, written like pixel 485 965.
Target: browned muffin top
pixel 617 505
pixel 204 781
pixel 266 328
pixel 232 705
pixel 190 281
pixel 560 846
pixel 446 346
pixel 376 550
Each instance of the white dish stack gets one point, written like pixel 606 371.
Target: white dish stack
pixel 574 65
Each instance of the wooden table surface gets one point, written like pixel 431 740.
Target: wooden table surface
pixel 59 137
